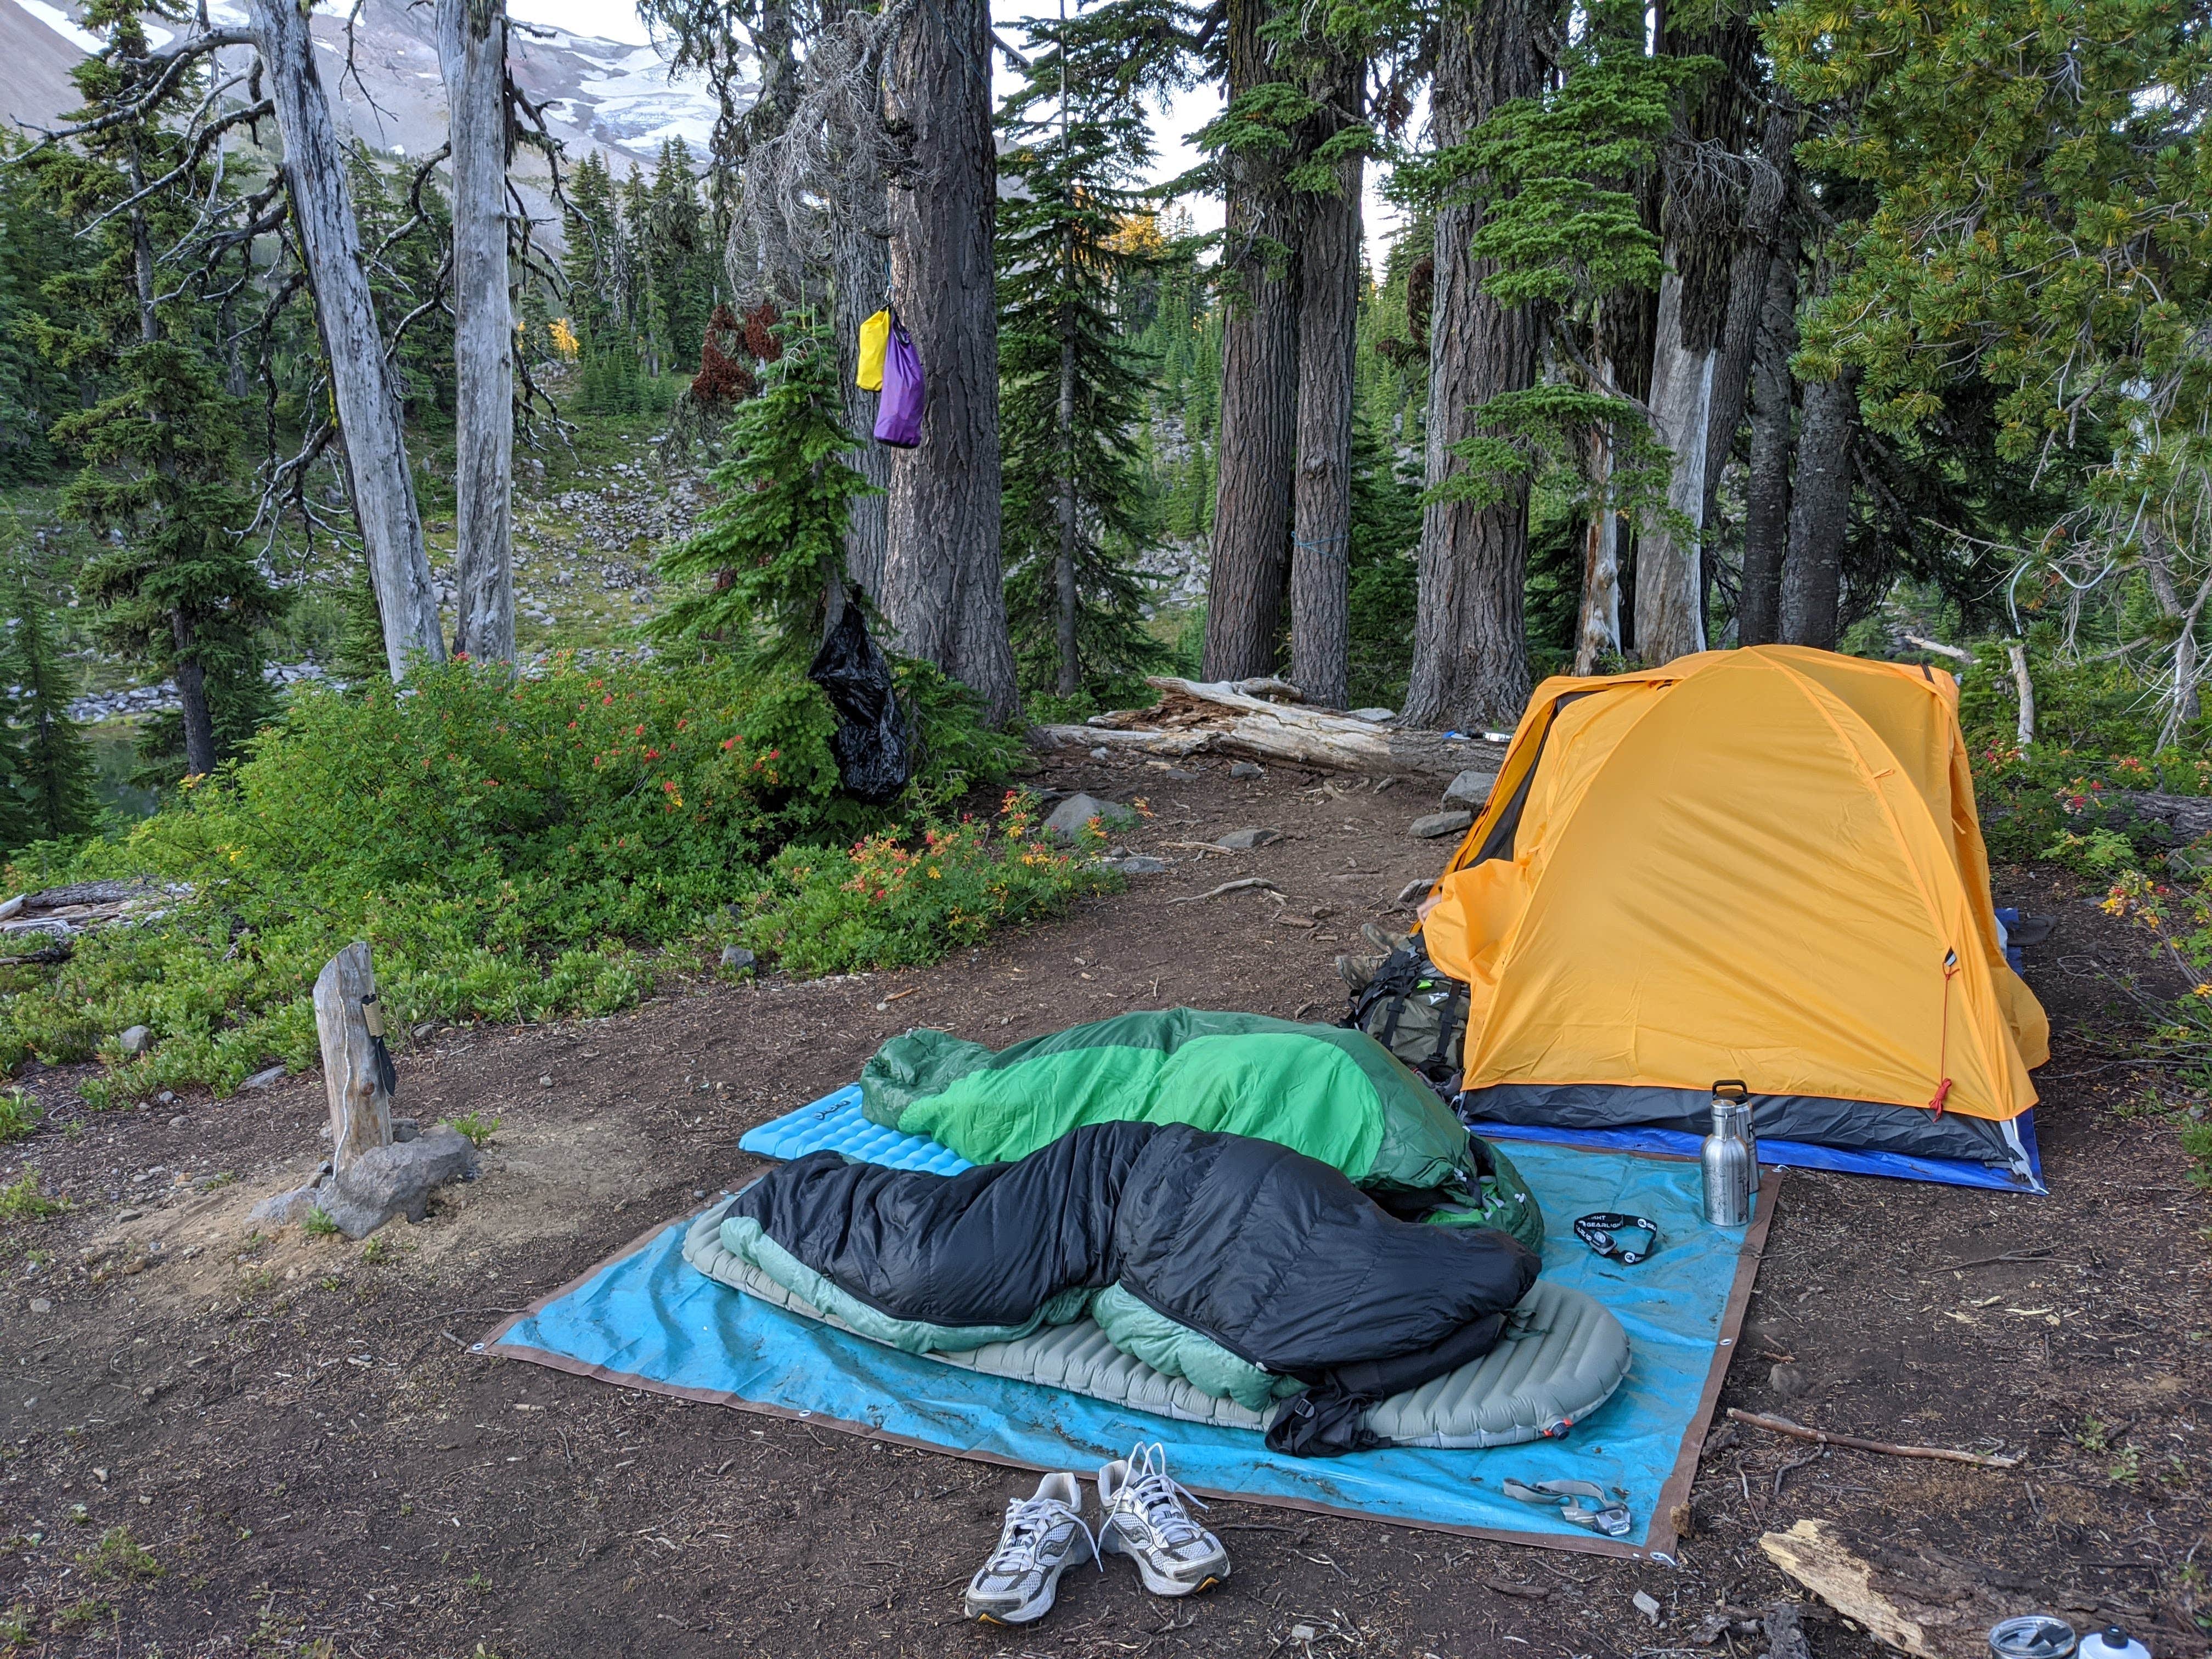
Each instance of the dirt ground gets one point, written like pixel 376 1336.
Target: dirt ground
pixel 293 1433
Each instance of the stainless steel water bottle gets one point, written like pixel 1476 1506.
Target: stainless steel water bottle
pixel 1731 1158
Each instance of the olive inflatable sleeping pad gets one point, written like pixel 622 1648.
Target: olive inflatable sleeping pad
pixel 1562 1358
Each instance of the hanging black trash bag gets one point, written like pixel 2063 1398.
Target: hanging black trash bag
pixel 873 743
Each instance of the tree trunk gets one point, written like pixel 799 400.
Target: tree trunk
pixel 1820 514
pixel 1766 506
pixel 472 56
pixel 1746 297
pixel 861 270
pixel 1702 240
pixel 1256 452
pixel 941 589
pixel 1329 301
pixel 1470 653
pixel 192 704
pixel 1598 634
pixel 361 382
pixel 1670 621
pixel 1063 574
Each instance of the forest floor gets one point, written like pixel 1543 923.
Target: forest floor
pixel 294 1432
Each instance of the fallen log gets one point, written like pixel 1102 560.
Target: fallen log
pixel 2187 815
pixel 1173 744
pixel 1822 1437
pixel 1228 718
pixel 1937 1606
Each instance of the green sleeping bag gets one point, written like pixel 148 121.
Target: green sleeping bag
pixel 1334 1094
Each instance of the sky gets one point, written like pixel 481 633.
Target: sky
pixel 617 20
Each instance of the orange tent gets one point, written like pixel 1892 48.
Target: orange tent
pixel 1761 864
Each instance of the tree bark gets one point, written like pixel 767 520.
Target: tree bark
pixel 861 270
pixel 1702 241
pixel 1470 651
pixel 1321 523
pixel 472 56
pixel 1256 451
pixel 361 382
pixel 1746 297
pixel 1597 634
pixel 1063 573
pixel 1670 620
pixel 1766 507
pixel 942 592
pixel 192 704
pixel 360 1109
pixel 1820 514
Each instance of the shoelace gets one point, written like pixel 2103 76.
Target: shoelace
pixel 1157 1495
pixel 1028 1520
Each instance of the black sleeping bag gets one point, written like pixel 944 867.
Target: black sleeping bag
pixel 1274 1255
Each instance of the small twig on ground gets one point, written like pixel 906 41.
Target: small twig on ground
pixel 2041 1255
pixel 1799 1431
pixel 1229 887
pixel 1527 1592
pixel 1781 1474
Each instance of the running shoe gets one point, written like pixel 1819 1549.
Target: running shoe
pixel 1044 1536
pixel 1145 1519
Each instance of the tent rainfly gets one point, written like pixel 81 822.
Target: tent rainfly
pixel 1761 864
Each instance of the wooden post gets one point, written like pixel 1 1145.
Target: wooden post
pixel 360 1109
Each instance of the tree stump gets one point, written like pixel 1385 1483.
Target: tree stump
pixel 360 1106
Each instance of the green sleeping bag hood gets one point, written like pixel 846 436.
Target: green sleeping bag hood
pixel 1334 1094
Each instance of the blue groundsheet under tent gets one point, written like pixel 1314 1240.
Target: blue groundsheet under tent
pixel 647 1319
pixel 1794 1154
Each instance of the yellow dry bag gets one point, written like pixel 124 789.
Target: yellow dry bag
pixel 875 335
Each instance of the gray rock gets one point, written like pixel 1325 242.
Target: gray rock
pixel 385 1181
pixel 1247 769
pixel 1071 815
pixel 1099 754
pixel 39 1305
pixel 404 1128
pixel 1374 716
pixel 1470 788
pixel 1243 841
pixel 262 1079
pixel 136 1041
pixel 738 960
pixel 178 1121
pixel 1138 863
pixel 286 1209
pixel 1442 823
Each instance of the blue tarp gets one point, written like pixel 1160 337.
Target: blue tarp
pixel 1793 1154
pixel 647 1319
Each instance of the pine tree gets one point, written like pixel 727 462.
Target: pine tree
pixel 177 588
pixel 767 563
pixel 53 797
pixel 35 246
pixel 1072 391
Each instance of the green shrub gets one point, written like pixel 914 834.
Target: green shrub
pixel 512 849
pixel 18 1113
pixel 2196 1142
pixel 891 900
pixel 21 1201
pixel 477 1130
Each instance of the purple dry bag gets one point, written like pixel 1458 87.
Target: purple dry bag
pixel 898 412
